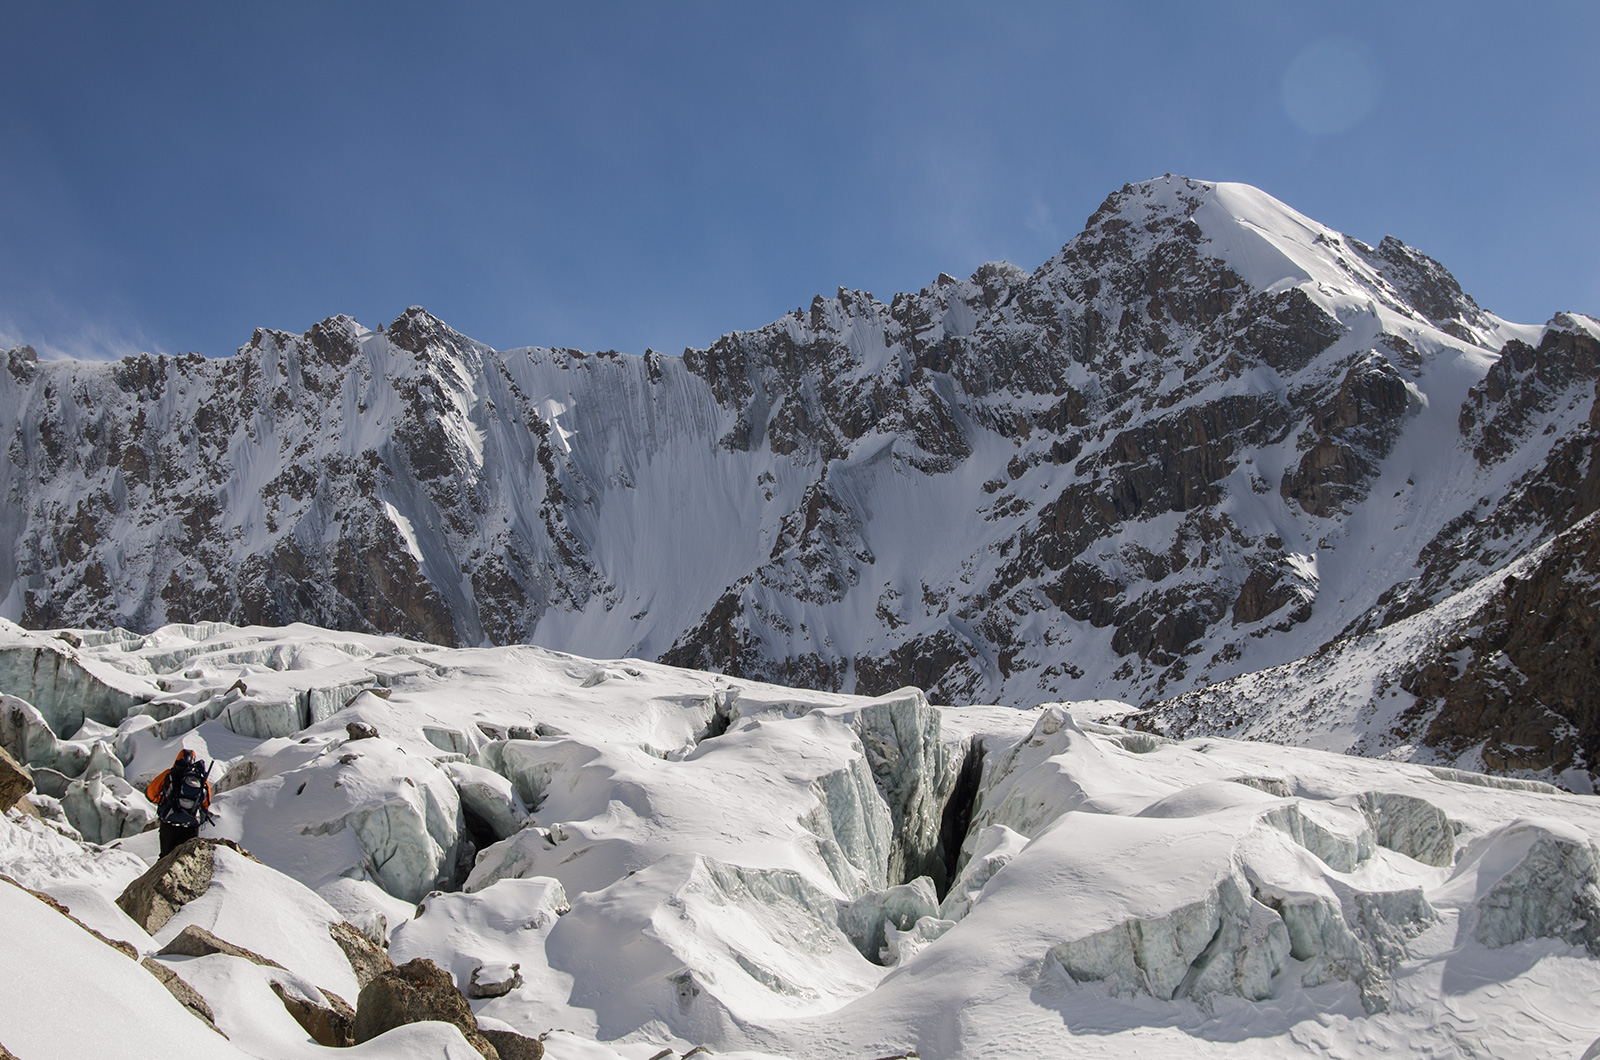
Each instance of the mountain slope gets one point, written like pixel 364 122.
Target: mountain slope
pixel 1206 438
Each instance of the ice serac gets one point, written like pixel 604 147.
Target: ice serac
pixel 684 882
pixel 900 735
pixel 1224 942
pixel 854 828
pixel 488 797
pixel 1351 935
pixel 1412 826
pixel 992 851
pixel 365 809
pixel 46 673
pixel 104 807
pixel 869 918
pixel 1276 876
pixel 1532 878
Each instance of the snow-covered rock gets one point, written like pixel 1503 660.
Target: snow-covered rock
pixel 296 934
pixel 478 933
pixel 117 1009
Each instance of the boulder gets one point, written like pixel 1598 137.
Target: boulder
pixel 495 980
pixel 415 991
pixel 360 730
pixel 330 1024
pixel 513 1046
pixel 171 883
pixel 196 941
pixel 324 1015
pixel 15 780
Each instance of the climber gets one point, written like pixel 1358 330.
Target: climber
pixel 182 796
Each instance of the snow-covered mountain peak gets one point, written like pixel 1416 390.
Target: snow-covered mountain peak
pixel 1206 437
pixel 1575 322
pixel 1273 249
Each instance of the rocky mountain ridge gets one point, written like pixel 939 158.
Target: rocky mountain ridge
pixel 1208 437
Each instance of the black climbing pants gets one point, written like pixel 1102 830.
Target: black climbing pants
pixel 174 836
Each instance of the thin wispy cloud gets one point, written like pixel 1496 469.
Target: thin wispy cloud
pixel 79 341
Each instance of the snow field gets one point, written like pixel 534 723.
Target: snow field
pixel 672 859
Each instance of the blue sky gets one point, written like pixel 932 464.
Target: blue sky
pixel 648 174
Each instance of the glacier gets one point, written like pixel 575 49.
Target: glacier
pixel 672 859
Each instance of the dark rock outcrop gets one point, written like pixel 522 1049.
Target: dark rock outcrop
pixel 326 1016
pixel 360 730
pixel 481 986
pixel 1526 691
pixel 196 941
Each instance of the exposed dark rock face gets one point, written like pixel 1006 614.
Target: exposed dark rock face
pixel 196 941
pixel 1526 692
pixel 331 1024
pixel 1354 428
pixel 1546 398
pixel 1425 285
